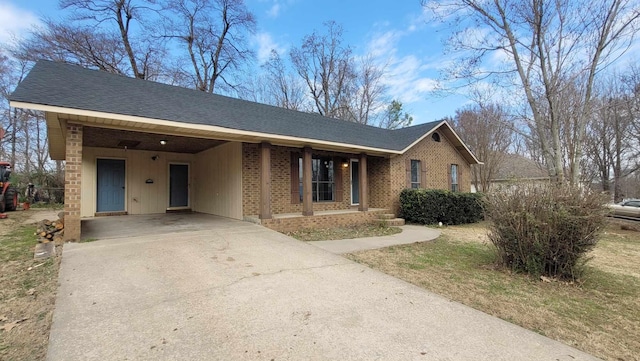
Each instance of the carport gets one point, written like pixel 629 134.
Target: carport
pixel 131 226
pixel 156 173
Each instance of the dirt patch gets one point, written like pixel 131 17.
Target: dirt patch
pixel 476 232
pixel 328 234
pixel 27 290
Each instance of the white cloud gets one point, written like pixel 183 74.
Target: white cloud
pixel 406 76
pixel 277 7
pixel 274 11
pixel 265 44
pixel 15 21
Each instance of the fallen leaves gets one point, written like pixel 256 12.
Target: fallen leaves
pixel 11 325
pixel 36 266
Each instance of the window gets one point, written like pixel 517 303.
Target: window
pixel 322 179
pixel 454 177
pixel 435 137
pixel 415 173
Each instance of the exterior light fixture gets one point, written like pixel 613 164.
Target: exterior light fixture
pixel 163 142
pixel 345 163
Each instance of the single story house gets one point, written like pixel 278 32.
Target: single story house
pixel 516 169
pixel 138 147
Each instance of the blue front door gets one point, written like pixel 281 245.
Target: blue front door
pixel 110 185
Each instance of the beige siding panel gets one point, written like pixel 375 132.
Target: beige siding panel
pixel 218 174
pixel 140 197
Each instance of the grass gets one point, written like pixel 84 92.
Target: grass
pixel 350 232
pixel 43 205
pixel 27 291
pixel 600 314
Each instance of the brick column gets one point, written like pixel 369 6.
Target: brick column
pixel 265 181
pixel 307 195
pixel 364 184
pixel 72 183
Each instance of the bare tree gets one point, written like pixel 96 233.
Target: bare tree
pixel 612 148
pixel 486 129
pixel 144 53
pixel 326 67
pixel 5 112
pixel 365 95
pixel 285 90
pixel 547 45
pixel 81 45
pixel 13 120
pixel 339 85
pixel 213 33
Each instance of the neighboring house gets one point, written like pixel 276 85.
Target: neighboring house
pixel 516 168
pixel 138 147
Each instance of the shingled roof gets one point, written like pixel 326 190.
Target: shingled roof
pixel 72 87
pixel 515 166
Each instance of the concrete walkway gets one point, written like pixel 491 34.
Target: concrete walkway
pixel 409 234
pixel 232 290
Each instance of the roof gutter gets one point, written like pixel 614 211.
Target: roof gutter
pixel 202 127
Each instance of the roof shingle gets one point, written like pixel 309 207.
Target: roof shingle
pixel 70 86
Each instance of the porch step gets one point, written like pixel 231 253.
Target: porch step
pixel 386 216
pixel 394 222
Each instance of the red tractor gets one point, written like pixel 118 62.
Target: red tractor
pixel 8 193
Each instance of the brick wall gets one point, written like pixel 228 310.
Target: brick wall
pixel 438 157
pixel 250 179
pixel 72 182
pixel 281 181
pixel 387 176
pixel 378 171
pixel 320 221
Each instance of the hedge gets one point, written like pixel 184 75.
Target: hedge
pixel 430 206
pixel 545 229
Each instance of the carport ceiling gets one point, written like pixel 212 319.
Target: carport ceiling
pixel 113 138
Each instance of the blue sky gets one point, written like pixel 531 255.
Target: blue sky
pixel 395 32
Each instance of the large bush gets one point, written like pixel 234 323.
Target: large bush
pixel 545 229
pixel 430 206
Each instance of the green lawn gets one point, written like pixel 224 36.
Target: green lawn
pixel 27 292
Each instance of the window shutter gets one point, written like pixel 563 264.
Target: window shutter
pixel 295 178
pixel 449 176
pixel 408 166
pixel 337 178
pixel 423 174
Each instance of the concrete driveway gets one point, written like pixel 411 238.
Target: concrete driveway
pixel 230 290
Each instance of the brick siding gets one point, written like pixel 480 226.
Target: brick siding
pixel 387 178
pixel 438 157
pixel 72 182
pixel 281 181
pixel 321 221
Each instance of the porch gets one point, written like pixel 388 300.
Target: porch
pixel 289 222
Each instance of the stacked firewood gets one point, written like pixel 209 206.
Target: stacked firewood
pixel 51 231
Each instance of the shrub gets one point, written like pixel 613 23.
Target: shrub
pixel 430 206
pixel 545 229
